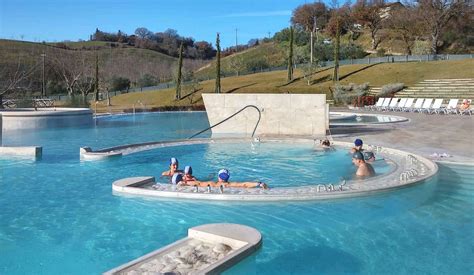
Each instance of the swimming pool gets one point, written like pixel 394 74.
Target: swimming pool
pixel 59 215
pixel 357 119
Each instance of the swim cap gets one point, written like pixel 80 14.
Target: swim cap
pixel 188 170
pixel 176 178
pixel 224 174
pixel 358 142
pixel 173 161
pixel 368 155
pixel 358 155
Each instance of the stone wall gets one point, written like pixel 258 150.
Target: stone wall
pixel 282 114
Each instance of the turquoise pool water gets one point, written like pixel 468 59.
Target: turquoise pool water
pixel 58 215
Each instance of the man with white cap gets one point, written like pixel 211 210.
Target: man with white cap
pixel 173 168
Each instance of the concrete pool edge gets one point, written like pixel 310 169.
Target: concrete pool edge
pixel 409 170
pixel 243 240
pixel 23 151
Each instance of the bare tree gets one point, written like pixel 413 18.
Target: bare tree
pixel 368 13
pixel 436 14
pixel 404 24
pixel 66 66
pixel 15 77
pixel 237 63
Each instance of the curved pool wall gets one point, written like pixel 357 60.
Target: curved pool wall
pixel 360 119
pixel 408 169
pixel 29 118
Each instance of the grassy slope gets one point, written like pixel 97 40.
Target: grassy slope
pixel 271 82
pixel 9 50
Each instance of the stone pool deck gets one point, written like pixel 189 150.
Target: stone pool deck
pixel 424 134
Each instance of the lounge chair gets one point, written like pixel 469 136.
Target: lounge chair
pixel 426 106
pixel 418 104
pixel 392 104
pixel 452 107
pixel 385 103
pixel 400 105
pixel 408 104
pixel 377 104
pixel 436 107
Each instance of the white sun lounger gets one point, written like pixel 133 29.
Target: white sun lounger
pixel 426 106
pixel 400 105
pixel 377 104
pixel 418 104
pixel 393 103
pixel 436 107
pixel 408 105
pixel 452 107
pixel 385 104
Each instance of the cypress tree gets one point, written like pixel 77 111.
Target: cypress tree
pixel 218 65
pixel 290 57
pixel 335 76
pixel 96 81
pixel 180 66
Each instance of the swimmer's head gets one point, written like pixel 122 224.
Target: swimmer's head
pixel 224 175
pixel 176 178
pixel 369 155
pixel 173 161
pixel 358 142
pixel 188 170
pixel 358 156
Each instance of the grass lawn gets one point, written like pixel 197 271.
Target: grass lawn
pixel 275 82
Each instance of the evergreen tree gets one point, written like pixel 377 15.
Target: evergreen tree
pixel 335 76
pixel 180 66
pixel 96 81
pixel 290 56
pixel 218 65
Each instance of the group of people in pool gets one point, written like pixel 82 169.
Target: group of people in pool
pixel 186 178
pixel 360 157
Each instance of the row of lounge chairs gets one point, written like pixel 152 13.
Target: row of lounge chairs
pixel 421 105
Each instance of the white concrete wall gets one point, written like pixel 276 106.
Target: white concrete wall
pixel 282 114
pixel 16 119
pixel 31 151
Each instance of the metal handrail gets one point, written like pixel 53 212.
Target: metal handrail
pixel 248 106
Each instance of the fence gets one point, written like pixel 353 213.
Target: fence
pixel 368 61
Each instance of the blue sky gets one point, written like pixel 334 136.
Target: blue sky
pixel 54 20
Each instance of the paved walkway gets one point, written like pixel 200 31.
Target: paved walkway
pixel 423 134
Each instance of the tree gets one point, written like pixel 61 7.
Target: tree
pixel 368 13
pixel 404 24
pixel 237 63
pixel 65 64
pixel 119 83
pixel 180 67
pixel 143 33
pixel 218 65
pixel 310 16
pixel 334 29
pixel 96 79
pixel 436 14
pixel 290 57
pixel 14 77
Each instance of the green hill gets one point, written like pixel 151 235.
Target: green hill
pixel 275 82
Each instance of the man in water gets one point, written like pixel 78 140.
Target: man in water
pixel 364 169
pixel 357 146
pixel 173 168
pixel 223 180
pixel 369 156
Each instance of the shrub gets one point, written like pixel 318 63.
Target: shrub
pixel 119 83
pixel 147 80
pixel 345 94
pixel 390 89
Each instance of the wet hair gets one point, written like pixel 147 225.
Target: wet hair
pixel 326 142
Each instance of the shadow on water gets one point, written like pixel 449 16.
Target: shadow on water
pixel 338 130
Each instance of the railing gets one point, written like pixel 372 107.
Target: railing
pixel 32 103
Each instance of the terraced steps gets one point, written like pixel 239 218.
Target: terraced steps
pixel 439 88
